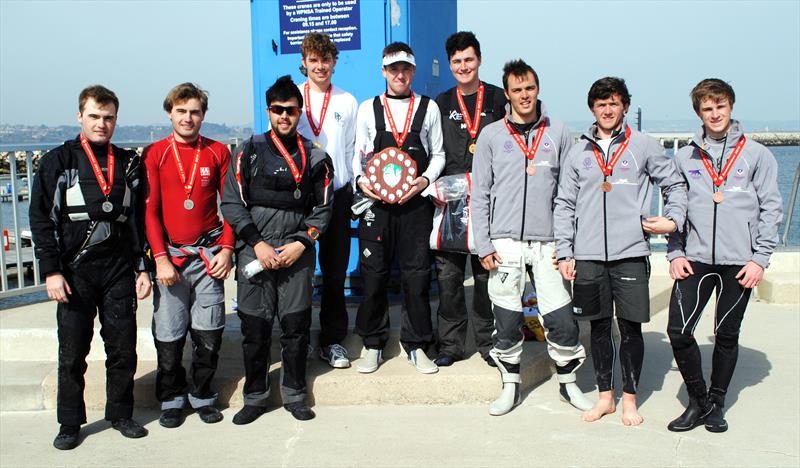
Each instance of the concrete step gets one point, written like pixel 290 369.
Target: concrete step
pixel 31 385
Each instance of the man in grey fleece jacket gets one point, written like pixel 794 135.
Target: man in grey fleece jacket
pixel 515 177
pixel 602 224
pixel 731 230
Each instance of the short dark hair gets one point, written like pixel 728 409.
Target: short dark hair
pixel 282 90
pixel 519 69
pixel 462 40
pixel 100 94
pixel 606 87
pixel 712 88
pixel 396 47
pixel 182 93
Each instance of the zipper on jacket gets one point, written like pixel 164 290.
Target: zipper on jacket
pixel 605 226
pixel 525 189
pixel 714 237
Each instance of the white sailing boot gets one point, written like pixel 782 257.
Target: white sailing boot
pixel 509 396
pixel 570 393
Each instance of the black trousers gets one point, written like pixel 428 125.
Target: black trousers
pixel 689 298
pixel 103 287
pixel 453 311
pixel 396 231
pixel 334 254
pixel 171 376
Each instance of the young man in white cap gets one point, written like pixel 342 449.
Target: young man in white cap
pixel 399 119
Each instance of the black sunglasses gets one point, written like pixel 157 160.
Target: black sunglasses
pixel 293 111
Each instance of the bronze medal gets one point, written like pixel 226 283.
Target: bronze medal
pixel 718 197
pixel 531 170
pixel 606 186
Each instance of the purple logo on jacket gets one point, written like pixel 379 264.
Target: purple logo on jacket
pixel 694 173
pixel 739 174
pixel 587 162
pixel 508 146
pixel 625 165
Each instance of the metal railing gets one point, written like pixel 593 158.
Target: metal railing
pixel 787 222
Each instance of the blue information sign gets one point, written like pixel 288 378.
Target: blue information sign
pixel 340 19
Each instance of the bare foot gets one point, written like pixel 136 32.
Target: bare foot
pixel 630 413
pixel 605 405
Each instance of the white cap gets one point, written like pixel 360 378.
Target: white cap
pixel 401 56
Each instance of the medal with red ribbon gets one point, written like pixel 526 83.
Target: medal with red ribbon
pixel 530 153
pixel 187 187
pixel 472 125
pixel 105 185
pixel 608 168
pixel 719 179
pixel 298 175
pixel 325 100
pixel 399 138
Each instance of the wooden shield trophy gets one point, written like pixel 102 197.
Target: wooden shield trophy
pixel 390 173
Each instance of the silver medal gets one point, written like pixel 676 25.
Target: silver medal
pixel 297 194
pixel 188 204
pixel 107 206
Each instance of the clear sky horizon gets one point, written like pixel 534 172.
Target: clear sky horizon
pixel 49 50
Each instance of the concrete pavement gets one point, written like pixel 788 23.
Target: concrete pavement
pixel 762 411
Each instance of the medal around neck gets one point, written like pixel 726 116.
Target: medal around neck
pixel 390 173
pixel 188 204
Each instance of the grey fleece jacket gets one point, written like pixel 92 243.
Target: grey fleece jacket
pixel 506 202
pixel 593 225
pixel 744 226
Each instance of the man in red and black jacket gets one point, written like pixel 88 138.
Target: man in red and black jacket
pixel 87 234
pixel 192 249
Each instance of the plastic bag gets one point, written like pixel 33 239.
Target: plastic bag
pixel 452 226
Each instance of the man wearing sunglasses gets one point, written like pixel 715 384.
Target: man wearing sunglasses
pixel 329 120
pixel 399 229
pixel 278 196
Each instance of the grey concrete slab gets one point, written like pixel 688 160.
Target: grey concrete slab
pixel 762 411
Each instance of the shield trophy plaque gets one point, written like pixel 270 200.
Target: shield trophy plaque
pixel 390 173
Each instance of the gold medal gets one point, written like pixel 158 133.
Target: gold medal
pixel 718 197
pixel 472 148
pixel 606 186
pixel 531 170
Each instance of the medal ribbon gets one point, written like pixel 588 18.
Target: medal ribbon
pixel 608 168
pixel 298 175
pixel 325 100
pixel 181 173
pixel 400 139
pixel 718 179
pixel 472 127
pixel 529 153
pixel 105 187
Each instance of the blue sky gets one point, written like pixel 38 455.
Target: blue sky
pixel 49 50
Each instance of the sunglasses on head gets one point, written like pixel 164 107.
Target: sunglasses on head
pixel 293 111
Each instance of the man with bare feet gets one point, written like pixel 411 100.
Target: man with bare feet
pixel 734 210
pixel 602 225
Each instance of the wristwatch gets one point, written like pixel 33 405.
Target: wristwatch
pixel 313 233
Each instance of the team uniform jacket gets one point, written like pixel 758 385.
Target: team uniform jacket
pixel 744 227
pixel 590 224
pixel 66 217
pixel 506 201
pixel 258 202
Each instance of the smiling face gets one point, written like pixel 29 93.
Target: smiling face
pixel 187 118
pixel 98 121
pixel 522 93
pixel 319 68
pixel 464 65
pixel 716 116
pixel 399 76
pixel 609 114
pixel 285 122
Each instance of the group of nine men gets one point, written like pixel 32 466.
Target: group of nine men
pixel 574 216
